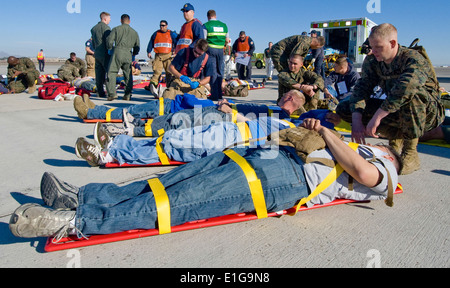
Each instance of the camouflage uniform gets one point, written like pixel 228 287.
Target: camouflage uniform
pixel 413 99
pixel 294 45
pixel 99 34
pixel 25 80
pixel 79 64
pixel 286 79
pixel 68 72
pixel 125 39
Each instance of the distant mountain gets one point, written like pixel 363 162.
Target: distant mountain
pixel 4 54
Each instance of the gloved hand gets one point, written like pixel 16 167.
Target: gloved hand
pixel 194 85
pixel 185 79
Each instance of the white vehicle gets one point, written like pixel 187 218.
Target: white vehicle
pixel 142 62
pixel 345 35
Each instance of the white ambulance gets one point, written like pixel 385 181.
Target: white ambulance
pixel 345 35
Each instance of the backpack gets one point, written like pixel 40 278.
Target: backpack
pixel 53 88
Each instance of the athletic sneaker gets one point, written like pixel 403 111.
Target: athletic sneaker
pixel 32 220
pixel 114 129
pixel 58 194
pixel 101 136
pixel 89 152
pixel 161 90
pixel 129 122
pixel 154 90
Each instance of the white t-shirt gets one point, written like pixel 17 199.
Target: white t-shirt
pixel 315 173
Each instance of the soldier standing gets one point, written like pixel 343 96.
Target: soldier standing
pixel 125 41
pixel 412 106
pixel 99 33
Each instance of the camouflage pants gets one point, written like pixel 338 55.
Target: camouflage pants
pixel 410 122
pixel 23 82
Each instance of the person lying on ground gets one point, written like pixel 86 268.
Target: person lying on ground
pixel 210 187
pixel 183 145
pixel 187 118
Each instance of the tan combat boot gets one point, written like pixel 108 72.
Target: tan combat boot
pixel 81 107
pixel 32 89
pixel 410 156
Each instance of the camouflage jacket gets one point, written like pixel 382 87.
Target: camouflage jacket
pixel 125 38
pixel 25 65
pixel 79 63
pixel 99 34
pixel 294 45
pixel 286 79
pixel 409 75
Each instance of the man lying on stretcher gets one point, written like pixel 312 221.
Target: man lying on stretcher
pixel 223 112
pixel 86 108
pixel 214 186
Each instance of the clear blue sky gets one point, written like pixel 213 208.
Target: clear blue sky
pixel 31 25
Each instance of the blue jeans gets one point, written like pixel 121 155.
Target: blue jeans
pixel 210 187
pixel 139 111
pixel 183 119
pixel 216 56
pixel 185 145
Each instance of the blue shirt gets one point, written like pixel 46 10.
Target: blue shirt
pixel 194 63
pixel 188 101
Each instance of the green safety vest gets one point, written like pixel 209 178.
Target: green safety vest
pixel 216 33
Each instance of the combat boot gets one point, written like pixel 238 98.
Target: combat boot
pixel 32 89
pixel 81 107
pixel 410 156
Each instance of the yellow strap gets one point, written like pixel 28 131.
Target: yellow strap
pixel 334 174
pixel 108 114
pixel 253 182
pixel 245 132
pixel 148 128
pixel 162 205
pixel 234 114
pixel 161 106
pixel 288 123
pixel 160 150
pixel 270 112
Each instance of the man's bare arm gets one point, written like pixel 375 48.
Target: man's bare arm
pixel 356 166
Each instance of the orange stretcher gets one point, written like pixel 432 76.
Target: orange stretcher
pixel 117 165
pixel 74 242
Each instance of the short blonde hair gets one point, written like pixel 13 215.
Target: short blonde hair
pixel 384 31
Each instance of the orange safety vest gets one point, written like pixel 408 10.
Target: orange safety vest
pixel 40 56
pixel 243 46
pixel 186 35
pixel 163 43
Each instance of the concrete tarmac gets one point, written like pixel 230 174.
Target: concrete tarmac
pixel 39 136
